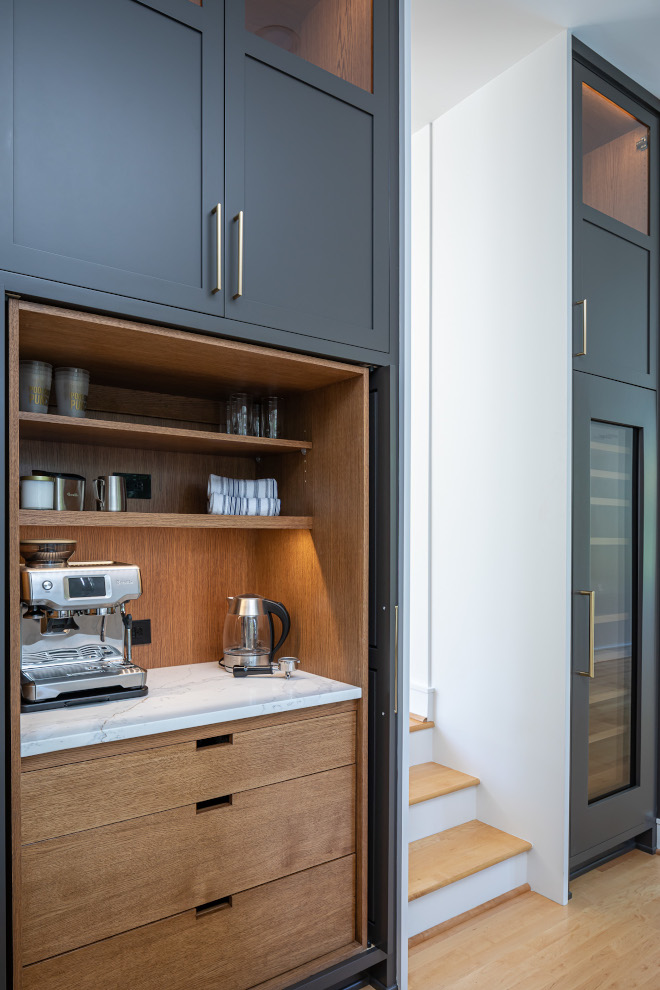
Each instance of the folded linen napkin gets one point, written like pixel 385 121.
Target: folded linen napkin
pixel 259 488
pixel 258 506
pixel 230 505
pixel 221 505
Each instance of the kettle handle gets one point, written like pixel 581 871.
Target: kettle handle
pixel 279 610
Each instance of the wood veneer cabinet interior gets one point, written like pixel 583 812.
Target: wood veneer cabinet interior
pixel 336 35
pixel 149 375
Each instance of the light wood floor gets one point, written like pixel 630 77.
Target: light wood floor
pixel 606 938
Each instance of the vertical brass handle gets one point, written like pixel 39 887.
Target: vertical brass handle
pixel 592 619
pixel 239 290
pixel 583 352
pixel 396 659
pixel 217 209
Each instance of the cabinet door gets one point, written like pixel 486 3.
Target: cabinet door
pixel 307 168
pixel 115 164
pixel 614 564
pixel 615 312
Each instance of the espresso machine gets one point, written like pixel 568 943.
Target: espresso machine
pixel 75 631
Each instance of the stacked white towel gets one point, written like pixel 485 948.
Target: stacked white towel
pixel 260 488
pixel 237 497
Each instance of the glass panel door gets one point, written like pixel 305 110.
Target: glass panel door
pixel 615 161
pixel 336 35
pixel 613 687
pixel 612 552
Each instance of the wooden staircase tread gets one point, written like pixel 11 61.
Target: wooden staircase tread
pixel 431 780
pixel 457 853
pixel 416 724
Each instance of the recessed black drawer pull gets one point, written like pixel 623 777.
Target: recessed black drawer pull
pixel 219 802
pixel 219 905
pixel 215 741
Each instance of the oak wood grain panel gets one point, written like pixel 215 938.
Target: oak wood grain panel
pixel 178 481
pixel 14 706
pixel 186 578
pixel 615 179
pixel 329 627
pixel 267 931
pixel 94 884
pixel 45 519
pixel 337 35
pixel 140 743
pixel 318 965
pixel 80 796
pixel 112 402
pixel 107 433
pixel 129 354
pixel 456 853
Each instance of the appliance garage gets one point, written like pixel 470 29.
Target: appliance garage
pixel 147 741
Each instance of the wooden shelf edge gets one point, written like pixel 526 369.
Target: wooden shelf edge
pixel 68 429
pixel 153 520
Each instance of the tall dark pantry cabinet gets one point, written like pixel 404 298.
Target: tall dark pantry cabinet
pixel 219 176
pixel 614 685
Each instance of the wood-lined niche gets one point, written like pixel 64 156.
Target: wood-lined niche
pixel 313 557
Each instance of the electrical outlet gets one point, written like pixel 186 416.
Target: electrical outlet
pixel 141 632
pixel 137 485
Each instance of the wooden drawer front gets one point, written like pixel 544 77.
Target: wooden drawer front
pixel 90 885
pixel 267 931
pixel 79 796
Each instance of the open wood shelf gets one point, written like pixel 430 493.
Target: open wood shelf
pixel 154 520
pixel 108 433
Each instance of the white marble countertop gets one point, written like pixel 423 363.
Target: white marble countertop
pixel 179 698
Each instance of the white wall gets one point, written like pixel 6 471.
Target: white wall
pixel 500 450
pixel 420 279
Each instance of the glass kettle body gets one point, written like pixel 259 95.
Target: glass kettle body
pixel 248 638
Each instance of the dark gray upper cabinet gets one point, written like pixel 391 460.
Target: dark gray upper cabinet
pixel 125 123
pixel 307 169
pixel 616 233
pixel 116 161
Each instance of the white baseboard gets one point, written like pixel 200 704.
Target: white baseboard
pixel 422 701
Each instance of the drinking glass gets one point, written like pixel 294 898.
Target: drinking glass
pixel 274 417
pixel 241 413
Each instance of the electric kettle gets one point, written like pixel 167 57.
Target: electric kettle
pixel 248 639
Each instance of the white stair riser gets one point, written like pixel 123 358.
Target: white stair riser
pixel 441 813
pixel 463 895
pixel 421 747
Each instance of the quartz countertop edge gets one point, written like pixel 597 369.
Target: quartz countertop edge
pixel 183 697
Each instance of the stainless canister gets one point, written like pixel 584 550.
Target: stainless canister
pixel 69 492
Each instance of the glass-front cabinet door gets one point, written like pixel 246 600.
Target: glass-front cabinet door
pixel 615 312
pixel 307 180
pixel 613 682
pixel 335 35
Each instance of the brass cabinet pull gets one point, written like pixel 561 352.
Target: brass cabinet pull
pixel 583 352
pixel 239 290
pixel 592 619
pixel 217 209
pixel 396 659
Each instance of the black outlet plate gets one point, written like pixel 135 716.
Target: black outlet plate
pixel 137 485
pixel 141 632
